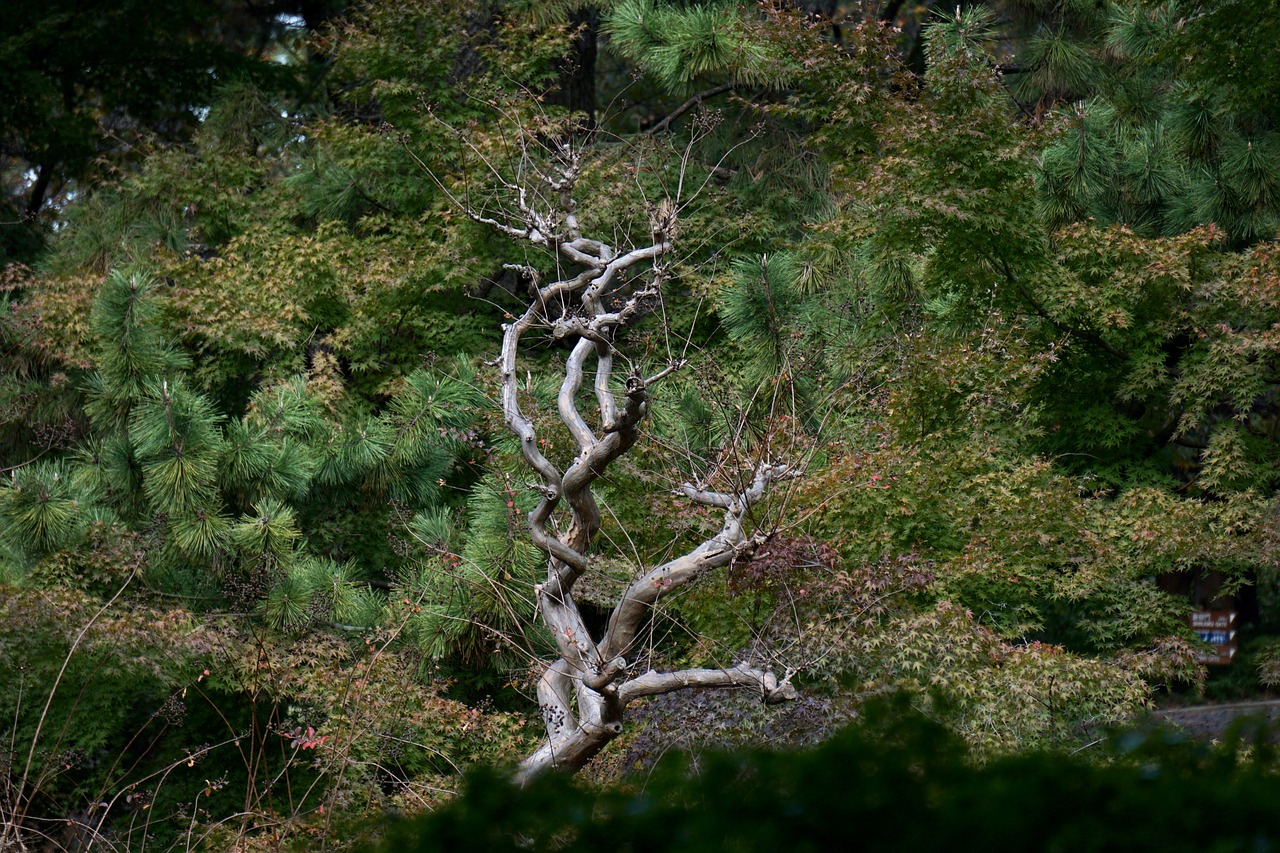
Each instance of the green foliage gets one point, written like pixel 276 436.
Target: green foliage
pixel 1234 60
pixel 192 714
pixel 176 438
pixel 100 563
pixel 318 586
pixel 954 189
pixel 1033 552
pixel 235 498
pixel 130 350
pixel 895 783
pixel 472 605
pixel 682 46
pixel 1173 330
pixel 268 534
pixel 42 510
pixel 80 97
pixel 766 293
pixel 1015 315
pixel 1144 136
pixel 77 675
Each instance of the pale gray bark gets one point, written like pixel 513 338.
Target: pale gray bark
pixel 584 693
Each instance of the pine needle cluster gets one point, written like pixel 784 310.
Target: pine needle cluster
pixel 681 46
pixel 1144 140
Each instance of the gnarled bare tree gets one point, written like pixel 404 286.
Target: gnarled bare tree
pixel 583 693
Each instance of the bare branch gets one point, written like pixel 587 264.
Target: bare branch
pixel 665 372
pixel 654 683
pixel 604 394
pixel 719 500
pixel 690 104
pixel 764 476
pixel 717 552
pixel 606 676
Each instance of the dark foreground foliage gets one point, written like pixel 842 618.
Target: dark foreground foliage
pixel 901 784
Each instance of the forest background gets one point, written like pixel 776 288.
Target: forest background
pixel 1000 280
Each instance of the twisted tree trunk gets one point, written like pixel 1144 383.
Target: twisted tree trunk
pixel 584 693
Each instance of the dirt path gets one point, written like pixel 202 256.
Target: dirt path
pixel 1213 720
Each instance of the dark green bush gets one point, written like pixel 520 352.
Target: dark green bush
pixel 902 785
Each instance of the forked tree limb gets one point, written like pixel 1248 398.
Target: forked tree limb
pixel 731 543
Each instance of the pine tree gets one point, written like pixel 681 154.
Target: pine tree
pixel 242 504
pixel 1146 136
